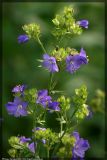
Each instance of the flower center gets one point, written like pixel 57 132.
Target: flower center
pixel 20 106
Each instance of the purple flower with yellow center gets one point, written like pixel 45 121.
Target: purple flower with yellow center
pixel 43 98
pixel 80 146
pixel 49 63
pixel 83 23
pixel 73 62
pixel 54 106
pixel 23 38
pixel 17 107
pixel 31 146
pixel 19 88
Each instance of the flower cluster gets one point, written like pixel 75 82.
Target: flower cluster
pixel 62 140
pixel 73 62
pixel 18 107
pixel 65 23
pixel 22 144
pixel 46 101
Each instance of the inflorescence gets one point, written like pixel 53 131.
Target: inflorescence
pixel 39 104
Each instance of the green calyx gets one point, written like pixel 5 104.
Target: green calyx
pixel 65 24
pixel 64 103
pixel 68 140
pixel 47 135
pixel 82 112
pixel 64 153
pixel 79 101
pixel 98 102
pixel 32 30
pixel 14 142
pixel 61 53
pixel 12 152
pixel 80 97
pixel 30 95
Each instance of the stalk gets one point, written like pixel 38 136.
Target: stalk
pixel 41 44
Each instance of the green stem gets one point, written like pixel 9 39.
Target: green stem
pixel 47 152
pixel 39 41
pixel 34 117
pixel 57 146
pixel 50 83
pixel 61 128
pixel 73 115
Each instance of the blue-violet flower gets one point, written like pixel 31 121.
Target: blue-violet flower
pixel 31 147
pixel 54 106
pixel 83 23
pixel 17 107
pixel 23 139
pixel 73 62
pixel 80 146
pixel 43 98
pixel 49 63
pixel 19 88
pixel 23 38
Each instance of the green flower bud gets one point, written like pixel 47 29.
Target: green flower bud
pixel 71 51
pixel 64 103
pixel 68 10
pixel 82 112
pixel 47 134
pixel 64 152
pixel 98 102
pixel 68 140
pixel 59 54
pixel 65 24
pixel 80 96
pixel 100 93
pixel 13 141
pixel 56 20
pixel 61 152
pixel 12 152
pixel 32 30
pixel 30 95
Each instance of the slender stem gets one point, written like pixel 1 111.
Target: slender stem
pixel 73 115
pixel 61 128
pixel 57 146
pixel 50 83
pixel 39 41
pixel 47 152
pixel 34 117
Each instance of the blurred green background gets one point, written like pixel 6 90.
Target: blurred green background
pixel 20 64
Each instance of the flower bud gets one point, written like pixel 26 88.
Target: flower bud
pixel 12 152
pixel 32 30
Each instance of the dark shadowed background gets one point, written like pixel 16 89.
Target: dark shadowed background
pixel 20 63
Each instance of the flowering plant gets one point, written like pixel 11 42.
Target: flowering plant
pixel 63 141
